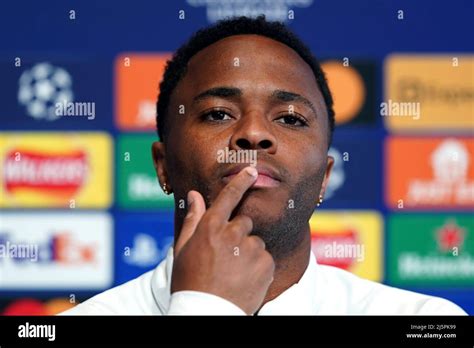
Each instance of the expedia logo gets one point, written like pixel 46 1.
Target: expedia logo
pixel 57 174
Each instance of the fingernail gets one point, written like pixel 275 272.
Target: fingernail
pixel 251 171
pixel 190 199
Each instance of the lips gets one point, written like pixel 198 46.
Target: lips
pixel 267 176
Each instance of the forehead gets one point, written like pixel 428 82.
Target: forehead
pixel 252 63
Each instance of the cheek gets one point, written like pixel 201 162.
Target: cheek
pixel 192 157
pixel 305 158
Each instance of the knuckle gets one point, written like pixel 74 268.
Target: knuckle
pixel 267 259
pixel 213 222
pixel 234 231
pixel 247 222
pixel 257 242
pixel 214 240
pixel 244 222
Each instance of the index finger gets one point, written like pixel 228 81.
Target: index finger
pixel 232 193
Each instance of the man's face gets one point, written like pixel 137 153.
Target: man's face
pixel 249 92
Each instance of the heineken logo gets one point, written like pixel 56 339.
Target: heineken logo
pixel 450 237
pixel 425 250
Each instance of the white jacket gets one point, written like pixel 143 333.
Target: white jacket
pixel 322 290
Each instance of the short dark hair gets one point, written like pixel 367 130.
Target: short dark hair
pixel 177 66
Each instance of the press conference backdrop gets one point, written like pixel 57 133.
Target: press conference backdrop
pixel 79 187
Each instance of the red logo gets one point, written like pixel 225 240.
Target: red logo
pixel 61 175
pixel 329 248
pixel 450 236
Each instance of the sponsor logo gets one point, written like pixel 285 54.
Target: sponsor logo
pixel 41 87
pixel 73 251
pixel 431 250
pixel 59 248
pixel 143 187
pixel 142 241
pixel 338 249
pixel 338 174
pixel 63 174
pixel 440 84
pixel 138 186
pixel 31 306
pixel 349 240
pixel 55 170
pixel 355 190
pixel 356 107
pixel 276 10
pixel 145 252
pixel 439 173
pixel 137 76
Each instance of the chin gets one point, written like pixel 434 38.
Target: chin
pixel 259 210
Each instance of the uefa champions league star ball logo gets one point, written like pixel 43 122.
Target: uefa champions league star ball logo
pixel 41 87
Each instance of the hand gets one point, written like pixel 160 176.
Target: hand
pixel 218 256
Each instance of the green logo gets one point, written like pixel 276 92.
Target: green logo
pixel 431 250
pixel 138 186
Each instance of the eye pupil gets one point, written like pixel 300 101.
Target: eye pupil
pixel 216 115
pixel 292 120
pixel 220 114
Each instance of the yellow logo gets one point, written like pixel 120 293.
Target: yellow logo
pixel 42 170
pixel 439 87
pixel 351 240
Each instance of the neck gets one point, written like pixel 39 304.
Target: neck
pixel 289 270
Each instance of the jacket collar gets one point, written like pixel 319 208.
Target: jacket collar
pixel 298 299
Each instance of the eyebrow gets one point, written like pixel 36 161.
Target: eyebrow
pixel 278 95
pixel 221 92
pixel 285 96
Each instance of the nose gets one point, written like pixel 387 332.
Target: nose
pixel 253 133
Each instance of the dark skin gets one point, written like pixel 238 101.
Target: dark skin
pixel 267 100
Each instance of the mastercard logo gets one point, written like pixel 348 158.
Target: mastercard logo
pixel 347 89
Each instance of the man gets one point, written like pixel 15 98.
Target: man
pixel 242 244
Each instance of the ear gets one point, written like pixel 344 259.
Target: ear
pixel 327 174
pixel 158 152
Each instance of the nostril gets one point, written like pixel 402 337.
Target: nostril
pixel 243 143
pixel 265 144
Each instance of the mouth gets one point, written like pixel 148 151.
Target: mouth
pixel 267 176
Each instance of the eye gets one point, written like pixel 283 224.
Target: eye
pixel 293 120
pixel 216 115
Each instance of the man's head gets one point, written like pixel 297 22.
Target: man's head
pixel 177 66
pixel 251 85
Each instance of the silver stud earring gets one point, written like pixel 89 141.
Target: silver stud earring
pixel 165 189
pixel 320 200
